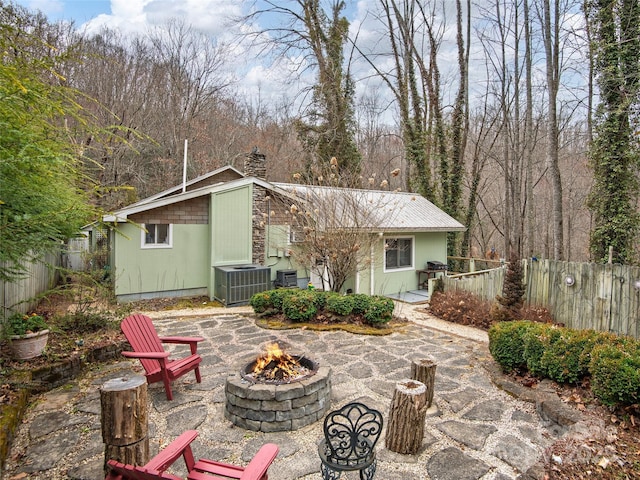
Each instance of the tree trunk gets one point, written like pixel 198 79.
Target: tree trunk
pixel 124 419
pixel 424 371
pixel 405 429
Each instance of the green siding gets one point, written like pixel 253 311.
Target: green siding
pixel 181 267
pixel 427 246
pixel 231 226
pixel 277 238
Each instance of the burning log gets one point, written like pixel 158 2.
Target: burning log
pixel 276 366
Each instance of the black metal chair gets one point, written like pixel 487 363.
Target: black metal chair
pixel 350 436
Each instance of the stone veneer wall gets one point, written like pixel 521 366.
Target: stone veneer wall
pixel 276 408
pixel 255 165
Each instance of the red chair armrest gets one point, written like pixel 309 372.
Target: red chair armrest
pixel 259 464
pixel 181 339
pixel 179 447
pixel 149 355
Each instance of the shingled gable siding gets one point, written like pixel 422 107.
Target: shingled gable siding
pixel 194 212
pixel 221 177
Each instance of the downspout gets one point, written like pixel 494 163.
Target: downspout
pixel 371 270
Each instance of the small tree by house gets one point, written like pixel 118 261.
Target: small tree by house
pixel 336 228
pixel 509 304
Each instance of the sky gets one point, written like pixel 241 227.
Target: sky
pixel 256 79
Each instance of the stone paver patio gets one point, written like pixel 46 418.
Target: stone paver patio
pixel 475 430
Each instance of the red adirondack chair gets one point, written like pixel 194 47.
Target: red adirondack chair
pixel 197 470
pixel 147 347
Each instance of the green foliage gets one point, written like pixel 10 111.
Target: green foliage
pixel 613 153
pixel 261 302
pixel 299 306
pixel 322 297
pixel 42 194
pixel 21 324
pixel 361 303
pixel 380 310
pixel 506 343
pixel 278 297
pixel 566 358
pixel 537 338
pixel 340 304
pixel 615 372
pixel 329 131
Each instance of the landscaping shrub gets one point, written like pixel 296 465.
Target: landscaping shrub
pixel 461 307
pixel 566 358
pixel 279 295
pixel 261 302
pixel 506 343
pixel 321 298
pixel 380 310
pixel 299 306
pixel 615 371
pixel 509 304
pixel 360 303
pixel 535 341
pixel 340 304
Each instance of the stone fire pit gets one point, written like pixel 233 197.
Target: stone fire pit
pixel 276 407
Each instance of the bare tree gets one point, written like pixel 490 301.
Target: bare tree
pixel 318 33
pixel 336 228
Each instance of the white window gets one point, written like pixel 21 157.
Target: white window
pixel 296 235
pixel 157 235
pixel 398 253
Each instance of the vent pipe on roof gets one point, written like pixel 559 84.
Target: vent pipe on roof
pixel 184 168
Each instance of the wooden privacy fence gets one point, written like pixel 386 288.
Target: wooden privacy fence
pixel 602 297
pixel 40 277
pixel 486 284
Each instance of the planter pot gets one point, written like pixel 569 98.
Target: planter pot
pixel 28 346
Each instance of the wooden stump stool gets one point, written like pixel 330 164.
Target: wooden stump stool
pixel 125 420
pixel 405 428
pixel 424 370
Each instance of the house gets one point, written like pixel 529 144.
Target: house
pixel 229 234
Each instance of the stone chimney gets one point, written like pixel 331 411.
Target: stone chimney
pixel 255 164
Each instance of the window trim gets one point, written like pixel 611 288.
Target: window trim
pixel 143 237
pixel 411 266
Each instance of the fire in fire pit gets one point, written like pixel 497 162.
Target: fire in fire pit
pixel 277 392
pixel 277 366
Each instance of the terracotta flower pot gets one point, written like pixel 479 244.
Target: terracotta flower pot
pixel 24 347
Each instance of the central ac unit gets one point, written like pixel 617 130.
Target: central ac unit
pixel 286 278
pixel 235 285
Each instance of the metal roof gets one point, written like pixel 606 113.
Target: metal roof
pixel 375 209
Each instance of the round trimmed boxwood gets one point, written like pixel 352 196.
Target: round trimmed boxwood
pixel 261 302
pixel 340 304
pixel 299 306
pixel 380 310
pixel 321 298
pixel 279 295
pixel 506 343
pixel 615 371
pixel 360 303
pixel 565 359
pixel 535 341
